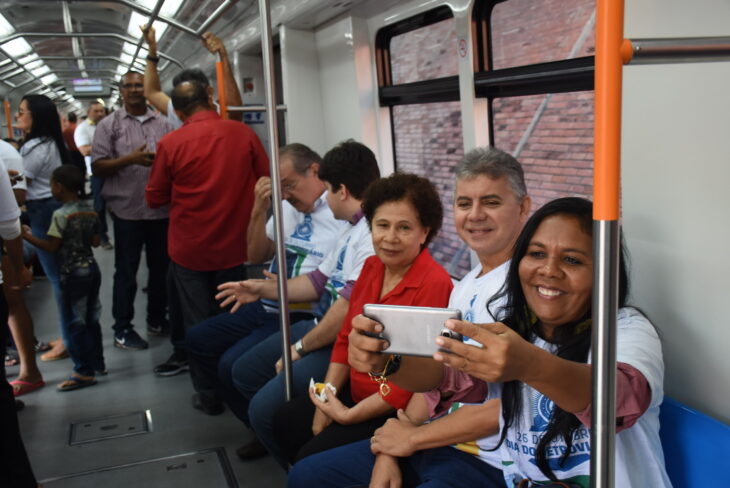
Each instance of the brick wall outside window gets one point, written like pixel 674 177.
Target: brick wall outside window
pixel 552 134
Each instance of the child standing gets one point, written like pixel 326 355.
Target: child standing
pixel 74 230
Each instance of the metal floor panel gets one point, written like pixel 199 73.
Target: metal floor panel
pixel 110 427
pixel 209 467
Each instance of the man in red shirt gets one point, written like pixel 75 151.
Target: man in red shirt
pixel 206 171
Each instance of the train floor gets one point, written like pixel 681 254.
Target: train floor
pixel 133 428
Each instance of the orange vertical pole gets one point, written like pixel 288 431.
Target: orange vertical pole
pixel 9 118
pixel 607 131
pixel 221 89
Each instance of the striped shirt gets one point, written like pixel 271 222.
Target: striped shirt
pixel 118 135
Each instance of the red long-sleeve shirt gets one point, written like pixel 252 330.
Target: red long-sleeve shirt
pixel 426 284
pixel 206 171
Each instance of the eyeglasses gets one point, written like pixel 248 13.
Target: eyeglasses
pixel 22 112
pixel 290 187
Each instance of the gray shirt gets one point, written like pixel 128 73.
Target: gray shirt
pixel 120 134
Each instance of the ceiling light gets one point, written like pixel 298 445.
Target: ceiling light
pixel 5 28
pixel 17 47
pixel 84 74
pixel 40 71
pixel 137 19
pixel 48 79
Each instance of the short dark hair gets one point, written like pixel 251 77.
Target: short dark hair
pixel 130 72
pixel 416 190
pixel 189 95
pixel 71 178
pixel 95 102
pixel 301 156
pixel 351 164
pixel 191 74
pixel 71 117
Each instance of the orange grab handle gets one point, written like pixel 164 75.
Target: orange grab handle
pixel 221 89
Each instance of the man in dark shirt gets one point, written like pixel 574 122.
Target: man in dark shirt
pixel 206 172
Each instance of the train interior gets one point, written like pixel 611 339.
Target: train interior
pixel 419 82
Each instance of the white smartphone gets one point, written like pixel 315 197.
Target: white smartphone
pixel 412 331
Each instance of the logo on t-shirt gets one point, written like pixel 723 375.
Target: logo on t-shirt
pixel 304 230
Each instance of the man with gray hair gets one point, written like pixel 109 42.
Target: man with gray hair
pixel 490 207
pixel 206 171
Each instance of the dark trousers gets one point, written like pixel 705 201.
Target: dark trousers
pixel 293 428
pixel 216 343
pixel 15 470
pixel 82 309
pixel 131 237
pixel 100 206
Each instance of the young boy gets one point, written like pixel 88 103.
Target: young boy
pixel 74 230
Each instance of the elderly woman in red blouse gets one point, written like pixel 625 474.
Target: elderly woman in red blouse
pixel 404 212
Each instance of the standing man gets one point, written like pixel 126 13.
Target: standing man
pixel 206 171
pixel 122 152
pixel 163 103
pixel 83 137
pixel 68 137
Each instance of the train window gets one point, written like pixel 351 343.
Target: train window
pixel 428 142
pixel 527 32
pixel 425 53
pixel 552 136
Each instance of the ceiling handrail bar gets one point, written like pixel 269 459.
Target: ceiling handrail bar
pixel 254 108
pixel 214 17
pixel 168 20
pixel 22 68
pixel 153 15
pixel 113 35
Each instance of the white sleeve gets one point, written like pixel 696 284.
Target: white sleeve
pixel 13 161
pixel 9 229
pixel 9 211
pixel 360 248
pixel 34 159
pixel 172 116
pixel 81 135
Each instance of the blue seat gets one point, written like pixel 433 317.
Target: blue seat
pixel 696 447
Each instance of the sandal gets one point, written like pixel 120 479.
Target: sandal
pixel 21 387
pixel 41 346
pixel 76 382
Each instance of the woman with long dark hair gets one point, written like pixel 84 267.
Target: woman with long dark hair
pixel 43 151
pixel 537 361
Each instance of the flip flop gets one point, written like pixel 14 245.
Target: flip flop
pixel 74 383
pixel 25 386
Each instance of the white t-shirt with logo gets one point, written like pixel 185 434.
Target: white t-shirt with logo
pixel 471 295
pixel 310 237
pixel 639 456
pixel 344 263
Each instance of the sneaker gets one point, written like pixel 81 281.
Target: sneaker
pixel 107 246
pixel 206 405
pixel 174 365
pixel 129 339
pixel 158 328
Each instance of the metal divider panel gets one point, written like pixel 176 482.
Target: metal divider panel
pixel 209 467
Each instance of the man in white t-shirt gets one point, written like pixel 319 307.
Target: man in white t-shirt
pixel 83 137
pixel 310 231
pixel 490 207
pixel 347 170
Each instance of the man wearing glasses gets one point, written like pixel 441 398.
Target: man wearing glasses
pixel 122 152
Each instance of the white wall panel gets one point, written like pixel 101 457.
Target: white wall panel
pixel 676 170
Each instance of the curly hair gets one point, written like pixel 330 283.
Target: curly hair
pixel 413 188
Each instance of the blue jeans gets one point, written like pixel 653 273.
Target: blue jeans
pixel 100 206
pixel 81 310
pixel 255 378
pixel 40 213
pixel 352 465
pixel 131 236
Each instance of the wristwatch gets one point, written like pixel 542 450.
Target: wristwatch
pixel 154 59
pixel 299 348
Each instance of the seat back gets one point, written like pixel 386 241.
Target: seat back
pixel 696 447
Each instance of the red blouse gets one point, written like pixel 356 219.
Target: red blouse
pixel 426 284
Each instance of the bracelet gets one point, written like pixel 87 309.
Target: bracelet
pixel 391 366
pixel 154 59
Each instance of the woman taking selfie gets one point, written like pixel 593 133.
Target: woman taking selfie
pixel 404 213
pixel 537 361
